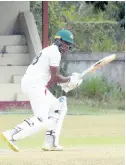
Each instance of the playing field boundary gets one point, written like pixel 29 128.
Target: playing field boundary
pixel 4 105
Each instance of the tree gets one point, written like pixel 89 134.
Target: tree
pixel 98 5
pixel 113 10
pixel 87 21
pixel 121 13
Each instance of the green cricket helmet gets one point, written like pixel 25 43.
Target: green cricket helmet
pixel 65 35
pixel 64 40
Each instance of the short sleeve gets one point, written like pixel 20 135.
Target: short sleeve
pixel 54 58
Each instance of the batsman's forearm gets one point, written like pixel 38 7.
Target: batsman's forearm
pixel 57 79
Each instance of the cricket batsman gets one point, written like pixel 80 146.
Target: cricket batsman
pixel 48 110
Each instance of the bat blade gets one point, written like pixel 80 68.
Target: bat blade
pixel 98 64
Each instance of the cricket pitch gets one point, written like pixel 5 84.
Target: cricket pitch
pixel 88 140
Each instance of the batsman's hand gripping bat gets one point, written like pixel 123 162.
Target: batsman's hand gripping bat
pixel 66 87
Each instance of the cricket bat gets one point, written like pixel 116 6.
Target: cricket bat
pixel 98 65
pixel 91 69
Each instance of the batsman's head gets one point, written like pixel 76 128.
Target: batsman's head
pixel 64 40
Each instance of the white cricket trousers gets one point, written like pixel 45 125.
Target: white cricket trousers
pixel 41 99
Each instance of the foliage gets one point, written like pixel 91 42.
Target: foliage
pixel 96 30
pixel 100 31
pixel 116 11
pixel 98 37
pixel 108 94
pixel 36 9
pixel 98 5
pixel 93 31
pixel 95 87
pixel 56 21
pixel 96 92
pixel 111 9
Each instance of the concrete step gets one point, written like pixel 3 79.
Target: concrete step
pixel 21 97
pixel 8 72
pixel 14 59
pixel 2 49
pixel 8 92
pixel 11 40
pixel 16 49
pixel 17 79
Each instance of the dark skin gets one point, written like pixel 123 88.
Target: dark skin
pixel 56 77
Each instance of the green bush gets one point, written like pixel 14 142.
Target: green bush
pixel 117 97
pixel 95 87
pixel 106 95
pixel 98 37
pixel 95 92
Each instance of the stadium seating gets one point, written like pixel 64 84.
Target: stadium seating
pixel 14 59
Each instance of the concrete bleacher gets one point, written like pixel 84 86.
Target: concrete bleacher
pixel 14 59
pixel 16 49
pixel 19 44
pixel 10 74
pixel 8 59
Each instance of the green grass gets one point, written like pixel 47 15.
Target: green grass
pixel 74 141
pixel 37 141
pixel 87 139
pixel 77 130
pixel 92 140
pixel 92 107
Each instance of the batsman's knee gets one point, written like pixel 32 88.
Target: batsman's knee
pixel 63 104
pixel 59 110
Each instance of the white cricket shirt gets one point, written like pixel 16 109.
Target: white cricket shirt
pixel 39 69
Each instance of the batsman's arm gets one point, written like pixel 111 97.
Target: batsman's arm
pixel 56 77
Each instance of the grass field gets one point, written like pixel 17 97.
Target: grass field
pixel 88 140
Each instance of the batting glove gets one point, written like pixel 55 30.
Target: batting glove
pixel 66 87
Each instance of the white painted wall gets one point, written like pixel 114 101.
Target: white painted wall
pixel 113 72
pixel 29 29
pixel 9 10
